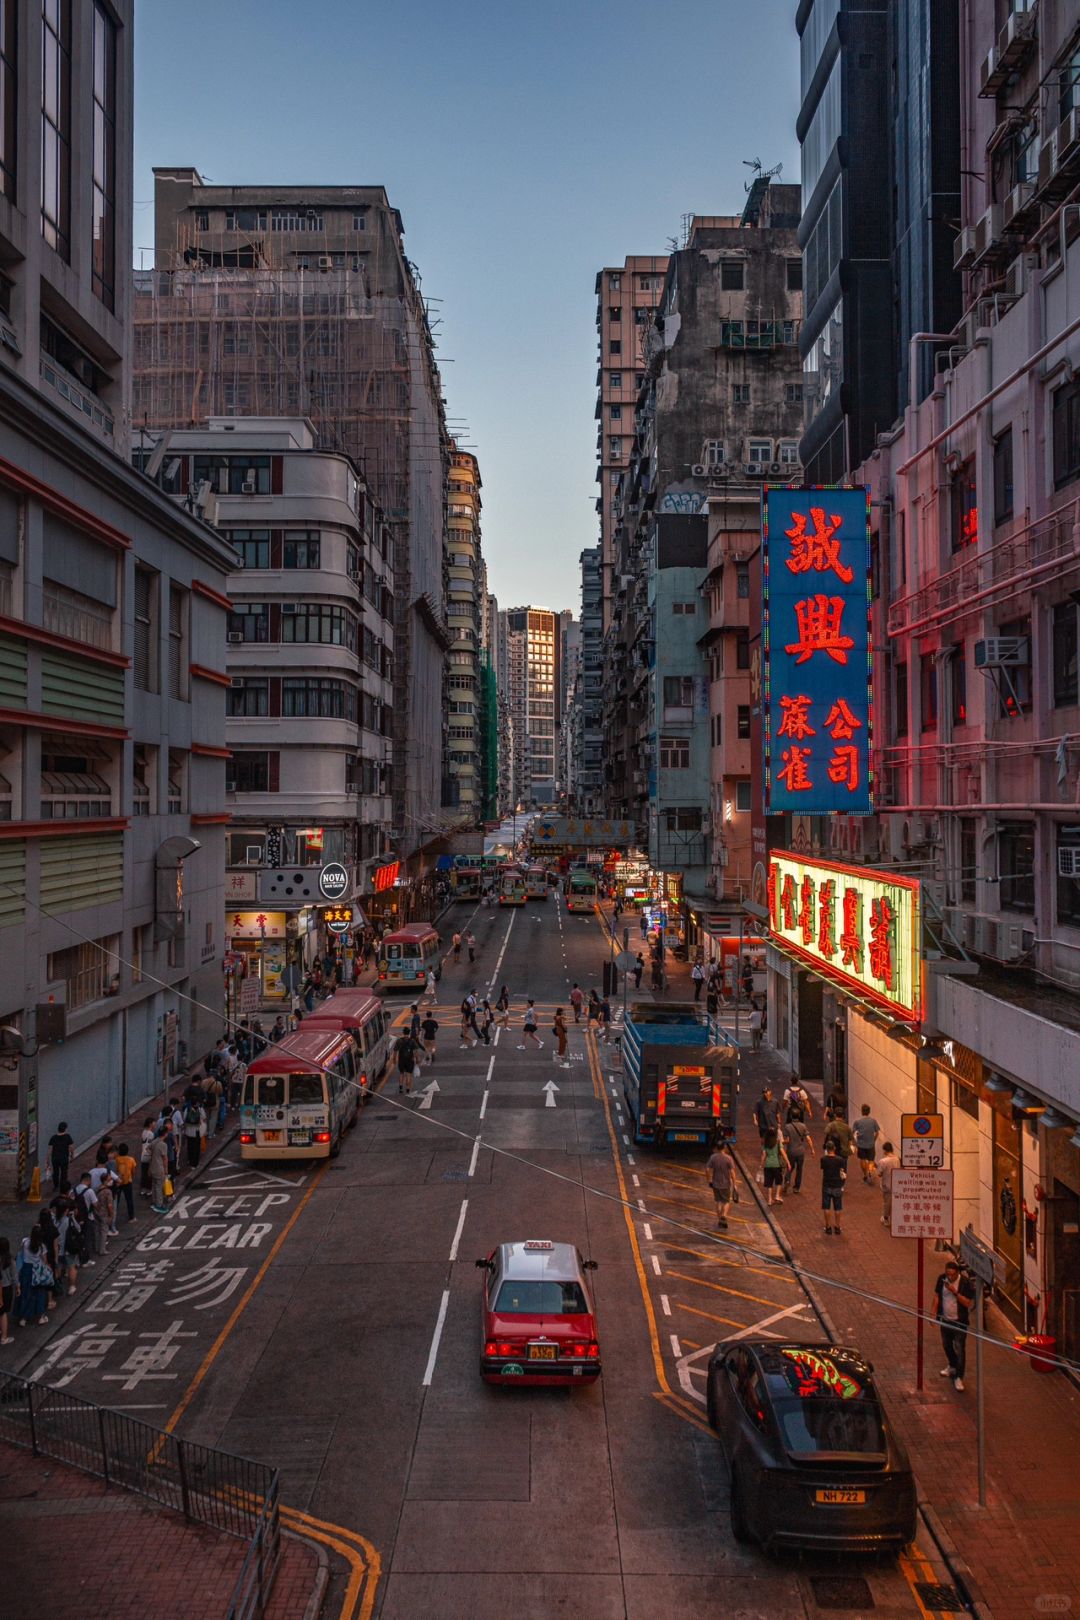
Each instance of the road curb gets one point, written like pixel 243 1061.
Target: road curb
pixel 313 1608
pixel 954 1562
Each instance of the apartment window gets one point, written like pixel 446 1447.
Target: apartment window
pixel 614 314
pixel 740 393
pixel 8 99
pixel 227 475
pixel 1065 647
pixel 615 379
pixel 958 682
pixel 742 581
pixel 309 220
pixel 678 697
pixel 178 641
pixel 359 222
pixel 616 412
pixel 794 275
pixel 717 730
pixel 317 621
pixel 1068 888
pixel 245 219
pixel 969 859
pixel 1014 692
pixel 103 205
pixel 674 753
pixel 317 697
pixel 144 780
pixel 743 714
pixel 928 691
pixel 742 649
pixel 247 699
pixel 250 621
pixel 72 786
pixel 249 772
pixel 793 393
pixel 684 607
pixel 900 699
pixel 56 125
pixel 732 275
pixel 682 818
pixel 177 801
pixel 964 507
pixel 253 546
pixel 615 283
pixel 146 638
pixel 1016 865
pixel 615 346
pixel 300 548
pixel 641 315
pixel 1003 476
pixel 742 794
pixel 88 970
pixel 1066 428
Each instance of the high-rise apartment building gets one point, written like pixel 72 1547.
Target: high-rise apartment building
pixel 626 296
pixel 464 792
pixel 589 729
pixel 112 635
pixel 279 301
pixel 533 658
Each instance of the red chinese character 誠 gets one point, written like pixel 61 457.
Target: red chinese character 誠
pixel 816 549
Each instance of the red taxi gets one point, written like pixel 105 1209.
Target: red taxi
pixel 538 1323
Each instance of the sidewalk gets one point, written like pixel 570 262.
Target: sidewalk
pixel 1023 1546
pixel 73 1549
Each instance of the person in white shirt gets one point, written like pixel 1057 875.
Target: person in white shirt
pixel 886 1165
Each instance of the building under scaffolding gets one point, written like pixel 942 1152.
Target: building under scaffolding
pixel 286 301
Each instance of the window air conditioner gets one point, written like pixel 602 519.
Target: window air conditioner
pixel 326 261
pixel 1002 652
pixel 235 637
pixel 964 248
pixel 288 607
pixel 248 487
pixel 698 470
pixel 1069 862
pixel 237 680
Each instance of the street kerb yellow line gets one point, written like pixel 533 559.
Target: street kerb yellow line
pixel 678 1403
pixel 365 1563
pixel 238 1311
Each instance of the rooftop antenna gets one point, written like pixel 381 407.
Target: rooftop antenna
pixel 759 172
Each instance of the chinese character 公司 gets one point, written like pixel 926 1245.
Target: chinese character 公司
pixel 819 623
pixel 796 721
pixel 851 942
pixel 844 766
pixel 881 941
pixel 819 549
pixel 794 772
pixel 840 721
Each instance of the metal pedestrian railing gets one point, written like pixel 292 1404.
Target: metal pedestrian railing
pixel 233 1495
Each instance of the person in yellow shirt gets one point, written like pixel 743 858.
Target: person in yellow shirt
pixel 125 1168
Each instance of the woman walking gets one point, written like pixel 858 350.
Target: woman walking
pixel 487 1021
pixel 503 1008
pixel 593 1015
pixel 775 1163
pixel 35 1278
pixel 559 1031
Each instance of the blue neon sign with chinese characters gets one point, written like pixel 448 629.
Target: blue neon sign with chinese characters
pixel 817 659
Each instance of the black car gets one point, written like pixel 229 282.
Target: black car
pixel 812 1457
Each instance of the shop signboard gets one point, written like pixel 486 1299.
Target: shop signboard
pixel 922 1204
pixel 817 656
pixel 922 1141
pixel 858 927
pixel 249 996
pixel 571 832
pixel 255 924
pixel 239 886
pixel 384 877
pixel 334 881
pixel 338 919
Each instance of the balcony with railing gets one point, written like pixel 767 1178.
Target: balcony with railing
pixel 79 618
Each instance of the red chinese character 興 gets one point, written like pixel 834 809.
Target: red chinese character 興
pixel 840 721
pixel 851 940
pixel 794 772
pixel 806 910
pixel 826 918
pixel 787 902
pixel 819 549
pixel 796 721
pixel 881 941
pixel 844 766
pixel 819 621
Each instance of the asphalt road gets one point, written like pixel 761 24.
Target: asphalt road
pixel 327 1321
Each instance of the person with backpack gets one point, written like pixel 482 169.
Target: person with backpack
pixel 86 1201
pixel 194 1126
pixel 72 1245
pixel 428 1031
pixel 775 1165
pixel 469 1033
pixel 797 1140
pixel 35 1278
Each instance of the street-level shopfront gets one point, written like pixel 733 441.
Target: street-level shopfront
pixel 860 1026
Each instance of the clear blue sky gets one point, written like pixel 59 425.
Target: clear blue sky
pixel 525 145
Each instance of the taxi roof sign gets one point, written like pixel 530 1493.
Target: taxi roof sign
pixel 533 1244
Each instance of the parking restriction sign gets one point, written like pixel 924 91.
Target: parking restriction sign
pixel 922 1204
pixel 922 1141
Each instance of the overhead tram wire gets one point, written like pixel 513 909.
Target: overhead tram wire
pixel 745 1252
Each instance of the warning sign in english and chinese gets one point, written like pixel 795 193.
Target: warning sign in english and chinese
pixel 922 1204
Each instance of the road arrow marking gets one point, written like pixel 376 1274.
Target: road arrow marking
pixel 429 1092
pixel 549 1100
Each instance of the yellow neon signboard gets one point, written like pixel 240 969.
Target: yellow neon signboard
pixel 858 927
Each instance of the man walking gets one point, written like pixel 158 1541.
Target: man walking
pixel 797 1140
pixel 833 1176
pixel 159 1170
pixel 407 1066
pixel 866 1131
pixel 528 1032
pixel 953 1301
pixel 577 998
pixel 766 1113
pixel 428 1030
pixel 697 974
pixel 839 1132
pixel 60 1146
pixel 720 1174
pixel 639 968
pixel 886 1165
pixel 470 940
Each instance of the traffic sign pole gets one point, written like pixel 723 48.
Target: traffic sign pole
pixel 920 1284
pixel 980 1410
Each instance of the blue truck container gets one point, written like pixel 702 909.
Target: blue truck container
pixel 680 1074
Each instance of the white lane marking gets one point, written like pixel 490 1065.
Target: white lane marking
pixel 549 1094
pixel 502 953
pixel 483 1105
pixel 636 1181
pixel 767 1322
pixel 647 1229
pixel 460 1224
pixel 475 1155
pixel 696 1364
pixel 676 1347
pixel 655 1264
pixel 429 1370
pixel 429 1096
pixel 491 1065
pixel 665 1304
pixel 626 1139
pixel 498 1032
pixel 641 1205
pixel 630 1159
